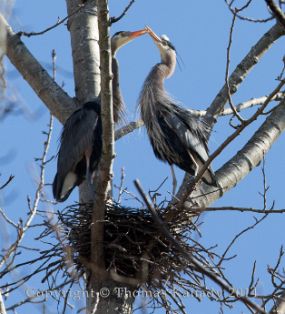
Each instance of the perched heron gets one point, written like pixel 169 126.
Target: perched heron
pixel 81 139
pixel 176 136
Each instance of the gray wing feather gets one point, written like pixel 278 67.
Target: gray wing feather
pixel 189 130
pixel 76 138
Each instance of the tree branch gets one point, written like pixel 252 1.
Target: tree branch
pixel 197 264
pixel 280 16
pixel 59 22
pixel 242 70
pixel 198 211
pixel 57 101
pixel 129 128
pixel 116 19
pixel 244 161
pixel 2 305
pixel 186 188
pixel 104 172
pixel 83 28
pixel 279 307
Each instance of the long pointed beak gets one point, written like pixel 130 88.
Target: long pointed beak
pixel 153 35
pixel 138 33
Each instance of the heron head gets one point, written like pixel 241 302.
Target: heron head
pixel 120 39
pixel 166 48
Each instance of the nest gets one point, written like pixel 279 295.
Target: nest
pixel 134 249
pixel 133 245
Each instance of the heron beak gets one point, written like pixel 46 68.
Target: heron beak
pixel 153 35
pixel 138 33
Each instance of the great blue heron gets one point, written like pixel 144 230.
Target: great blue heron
pixel 81 139
pixel 176 136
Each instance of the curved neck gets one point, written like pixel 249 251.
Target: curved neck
pixel 118 102
pixel 157 75
pixel 153 92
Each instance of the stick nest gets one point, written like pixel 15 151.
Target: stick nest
pixel 133 243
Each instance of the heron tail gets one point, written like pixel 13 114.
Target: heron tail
pixel 62 187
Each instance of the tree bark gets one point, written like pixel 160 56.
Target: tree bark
pixel 112 298
pixel 53 96
pixel 83 28
pixel 279 307
pixel 2 305
pixel 84 33
pixel 244 161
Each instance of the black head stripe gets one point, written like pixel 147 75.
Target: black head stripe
pixel 118 33
pixel 168 43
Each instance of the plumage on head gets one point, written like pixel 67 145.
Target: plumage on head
pixel 167 51
pixel 121 38
pixel 165 39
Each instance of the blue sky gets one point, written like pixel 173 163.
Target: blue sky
pixel 200 33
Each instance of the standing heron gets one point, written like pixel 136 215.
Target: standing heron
pixel 176 136
pixel 81 139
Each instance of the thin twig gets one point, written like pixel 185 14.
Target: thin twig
pixel 7 219
pixel 239 209
pixel 246 18
pixel 116 19
pixel 22 229
pixel 237 236
pixel 228 70
pixel 7 182
pixel 242 70
pixel 59 22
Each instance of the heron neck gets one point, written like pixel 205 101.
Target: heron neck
pixel 158 74
pixel 118 102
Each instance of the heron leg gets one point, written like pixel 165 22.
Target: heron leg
pixel 196 166
pixel 174 181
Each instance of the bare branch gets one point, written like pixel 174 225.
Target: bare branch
pixel 198 265
pixel 57 101
pixel 186 188
pixel 2 305
pixel 245 160
pixel 242 70
pixel 279 14
pixel 59 22
pixel 235 112
pixel 104 172
pixel 7 219
pixel 279 307
pixel 198 210
pixel 241 106
pixel 246 18
pixel 116 19
pixel 251 103
pixel 22 228
pixel 126 129
pixel 7 182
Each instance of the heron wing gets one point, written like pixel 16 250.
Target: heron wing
pixel 77 137
pixel 189 130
